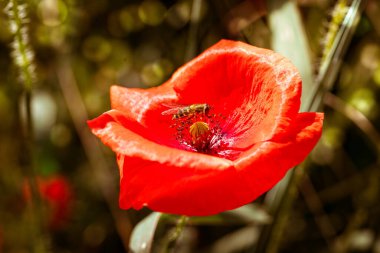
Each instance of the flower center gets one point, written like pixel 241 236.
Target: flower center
pixel 200 135
pixel 200 131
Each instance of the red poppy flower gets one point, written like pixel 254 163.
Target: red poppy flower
pixel 235 132
pixel 56 193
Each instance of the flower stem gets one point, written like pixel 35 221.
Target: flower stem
pixel 173 235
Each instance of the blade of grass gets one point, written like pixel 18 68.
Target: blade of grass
pixel 330 64
pixel 143 234
pixel 245 215
pixel 236 241
pixel 286 30
pixel 315 205
pixel 289 39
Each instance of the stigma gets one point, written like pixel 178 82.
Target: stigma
pixel 200 135
pixel 200 132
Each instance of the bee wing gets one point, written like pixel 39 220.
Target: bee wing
pixel 174 106
pixel 170 111
pixel 173 109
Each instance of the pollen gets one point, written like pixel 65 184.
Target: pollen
pixel 201 132
pixel 198 130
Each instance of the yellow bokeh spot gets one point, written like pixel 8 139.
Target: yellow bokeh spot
pixel 332 137
pixel 363 100
pixel 130 20
pixel 376 76
pixel 52 12
pixel 60 135
pixel 154 73
pixel 369 56
pixel 152 12
pixel 179 14
pixel 50 36
pixel 96 48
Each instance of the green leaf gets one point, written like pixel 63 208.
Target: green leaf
pixel 143 234
pixel 289 39
pixel 248 214
pixel 251 213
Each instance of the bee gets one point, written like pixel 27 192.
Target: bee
pixel 180 112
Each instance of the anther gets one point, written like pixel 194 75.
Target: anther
pixel 199 130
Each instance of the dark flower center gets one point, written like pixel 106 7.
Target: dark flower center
pixel 202 132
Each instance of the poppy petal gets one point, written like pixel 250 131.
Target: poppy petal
pixel 254 97
pixel 135 102
pixel 145 107
pixel 113 129
pixel 172 189
pixel 260 89
pixel 267 162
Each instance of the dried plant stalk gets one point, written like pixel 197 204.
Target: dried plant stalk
pixel 22 53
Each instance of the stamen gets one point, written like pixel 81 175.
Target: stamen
pixel 202 132
pixel 200 136
pixel 198 130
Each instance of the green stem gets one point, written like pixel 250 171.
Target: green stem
pixel 35 208
pixel 173 235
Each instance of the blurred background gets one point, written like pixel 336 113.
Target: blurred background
pixel 58 58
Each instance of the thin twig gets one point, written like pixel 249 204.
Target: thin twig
pixel 315 205
pixel 346 187
pixel 357 117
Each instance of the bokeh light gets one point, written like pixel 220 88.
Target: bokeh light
pixel 81 48
pixel 151 12
pixel 52 12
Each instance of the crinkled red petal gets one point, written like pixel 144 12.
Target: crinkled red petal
pixel 136 103
pixel 266 163
pixel 185 191
pixel 258 92
pixel 144 108
pixel 206 189
pixel 114 130
pixel 256 89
